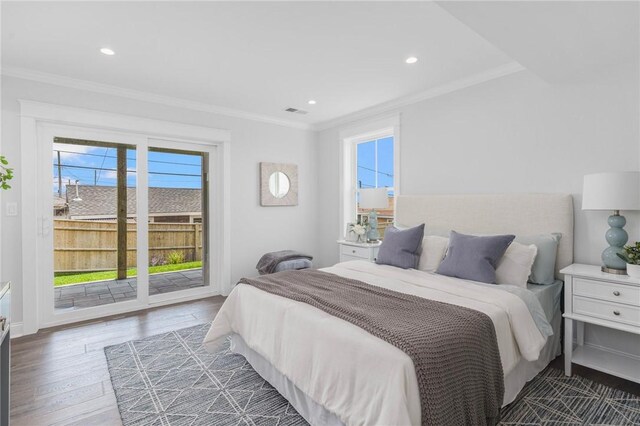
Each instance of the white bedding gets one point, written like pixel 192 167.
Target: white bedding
pixel 360 378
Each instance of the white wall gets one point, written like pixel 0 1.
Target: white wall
pixel 254 229
pixel 513 134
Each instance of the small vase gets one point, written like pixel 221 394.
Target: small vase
pixel 633 270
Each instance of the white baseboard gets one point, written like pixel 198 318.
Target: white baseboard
pixel 16 330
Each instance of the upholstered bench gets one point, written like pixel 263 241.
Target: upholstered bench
pixel 294 264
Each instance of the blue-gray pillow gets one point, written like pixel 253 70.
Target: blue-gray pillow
pixel 474 258
pixel 543 270
pixel 401 248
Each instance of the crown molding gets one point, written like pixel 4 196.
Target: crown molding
pixel 138 95
pixel 386 107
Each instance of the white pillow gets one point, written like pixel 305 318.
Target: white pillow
pixel 433 250
pixel 515 266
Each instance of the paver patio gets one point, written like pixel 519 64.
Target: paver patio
pixel 104 292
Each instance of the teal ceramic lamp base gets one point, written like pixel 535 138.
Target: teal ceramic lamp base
pixel 373 234
pixel 617 237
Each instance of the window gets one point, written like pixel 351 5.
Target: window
pixel 375 169
pixel 369 159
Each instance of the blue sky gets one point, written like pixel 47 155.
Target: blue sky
pixel 367 170
pixel 169 170
pixel 86 164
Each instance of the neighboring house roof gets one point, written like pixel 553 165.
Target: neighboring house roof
pixel 59 202
pixel 102 200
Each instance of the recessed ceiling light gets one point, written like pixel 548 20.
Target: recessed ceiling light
pixel 107 51
pixel 311 102
pixel 411 60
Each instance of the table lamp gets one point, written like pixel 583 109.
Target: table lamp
pixel 613 191
pixel 373 198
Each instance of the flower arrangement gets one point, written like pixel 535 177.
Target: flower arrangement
pixel 360 230
pixel 631 254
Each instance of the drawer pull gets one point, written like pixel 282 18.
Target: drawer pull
pixel 353 251
pixel 616 293
pixel 3 323
pixel 616 312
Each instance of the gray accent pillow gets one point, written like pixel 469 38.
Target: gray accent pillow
pixel 401 248
pixel 474 258
pixel 543 270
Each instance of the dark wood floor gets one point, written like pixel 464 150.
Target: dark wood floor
pixel 60 375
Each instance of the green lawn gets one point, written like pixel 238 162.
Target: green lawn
pixel 65 278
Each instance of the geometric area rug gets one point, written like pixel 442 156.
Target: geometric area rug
pixel 170 380
pixel 551 398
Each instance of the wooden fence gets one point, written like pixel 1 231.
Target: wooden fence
pixel 85 245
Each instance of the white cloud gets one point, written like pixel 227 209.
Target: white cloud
pixel 108 174
pixel 75 152
pixel 65 182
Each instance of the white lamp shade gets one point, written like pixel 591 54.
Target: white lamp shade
pixel 373 198
pixel 611 191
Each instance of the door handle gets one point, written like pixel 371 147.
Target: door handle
pixel 3 323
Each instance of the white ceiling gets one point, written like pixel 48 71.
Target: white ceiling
pixel 257 57
pixel 557 39
pixel 262 57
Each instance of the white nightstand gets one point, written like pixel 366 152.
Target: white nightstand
pixel 358 251
pixel 595 297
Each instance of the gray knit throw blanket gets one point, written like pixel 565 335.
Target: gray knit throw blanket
pixel 454 349
pixel 269 261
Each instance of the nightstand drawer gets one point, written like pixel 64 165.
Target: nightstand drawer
pixel 607 310
pixel 353 251
pixel 618 293
pixel 347 258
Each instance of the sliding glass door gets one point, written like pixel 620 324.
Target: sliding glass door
pixel 126 223
pixel 94 225
pixel 178 219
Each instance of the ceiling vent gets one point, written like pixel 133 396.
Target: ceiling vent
pixel 296 111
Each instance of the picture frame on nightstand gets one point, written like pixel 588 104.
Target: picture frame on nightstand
pixel 348 235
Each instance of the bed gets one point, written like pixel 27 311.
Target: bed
pixel 335 373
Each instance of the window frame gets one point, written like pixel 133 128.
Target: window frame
pixel 350 139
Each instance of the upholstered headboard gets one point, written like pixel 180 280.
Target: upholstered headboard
pixel 519 214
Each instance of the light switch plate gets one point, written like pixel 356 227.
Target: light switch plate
pixel 12 209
